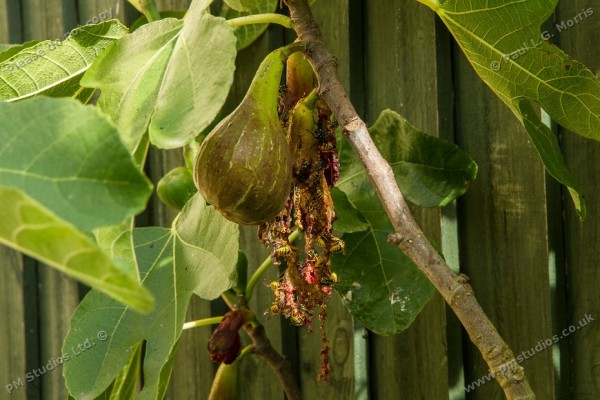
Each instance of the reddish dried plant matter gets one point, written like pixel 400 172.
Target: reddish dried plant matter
pixel 306 284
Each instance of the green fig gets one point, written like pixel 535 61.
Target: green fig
pixel 224 386
pixel 300 77
pixel 244 166
pixel 176 187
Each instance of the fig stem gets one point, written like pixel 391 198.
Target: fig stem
pixel 267 18
pixel 311 99
pixel 260 271
pixel 298 45
pixel 202 322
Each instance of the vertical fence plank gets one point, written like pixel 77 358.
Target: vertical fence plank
pixel 12 336
pixel 10 21
pixel 400 59
pixel 333 20
pixel 13 364
pixel 58 294
pixel 100 10
pixel 503 233
pixel 581 238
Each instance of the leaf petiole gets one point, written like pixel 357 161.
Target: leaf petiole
pixel 267 18
pixel 202 322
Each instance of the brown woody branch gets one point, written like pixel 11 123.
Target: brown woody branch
pixel 280 364
pixel 262 347
pixel 408 236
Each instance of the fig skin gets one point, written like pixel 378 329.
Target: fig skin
pixel 244 166
pixel 176 187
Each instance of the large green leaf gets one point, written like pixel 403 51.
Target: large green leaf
pixel 244 5
pixel 503 41
pixel 430 172
pixel 212 252
pixel 246 34
pixel 348 219
pixel 380 286
pixel 70 158
pixel 9 50
pixel 169 77
pixel 52 67
pixel 88 374
pixel 116 241
pixel 29 227
pixel 172 281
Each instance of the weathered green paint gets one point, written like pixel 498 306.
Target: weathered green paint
pixel 401 73
pixel 503 231
pixel 582 252
pixel 12 331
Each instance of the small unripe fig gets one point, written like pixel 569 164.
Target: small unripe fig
pixel 244 165
pixel 176 187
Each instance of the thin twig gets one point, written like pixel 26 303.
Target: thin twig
pixel 408 237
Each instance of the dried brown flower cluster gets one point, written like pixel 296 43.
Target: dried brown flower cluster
pixel 307 281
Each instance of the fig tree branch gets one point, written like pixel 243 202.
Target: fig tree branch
pixel 408 236
pixel 280 364
pixel 262 347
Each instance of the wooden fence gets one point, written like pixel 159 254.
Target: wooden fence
pixel 532 264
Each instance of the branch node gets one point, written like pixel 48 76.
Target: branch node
pixel 395 239
pixel 329 60
pixel 459 287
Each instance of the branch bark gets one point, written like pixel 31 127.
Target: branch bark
pixel 280 364
pixel 408 236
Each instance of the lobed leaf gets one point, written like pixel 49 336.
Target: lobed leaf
pixel 431 172
pixel 31 228
pixel 381 287
pixel 503 41
pixel 116 241
pixel 348 219
pixel 115 330
pixel 378 284
pixel 54 67
pixel 169 77
pixel 210 253
pixel 199 255
pixel 70 158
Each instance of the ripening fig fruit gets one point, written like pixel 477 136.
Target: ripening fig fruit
pixel 244 165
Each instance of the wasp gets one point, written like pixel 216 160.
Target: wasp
pixel 333 243
pixel 337 245
pixel 284 250
pixel 296 320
